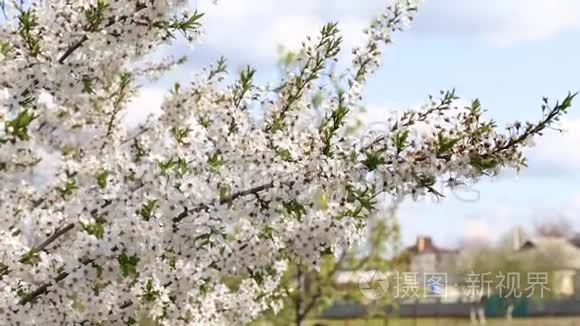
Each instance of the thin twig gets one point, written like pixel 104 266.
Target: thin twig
pixel 42 289
pixel 72 49
pixel 58 233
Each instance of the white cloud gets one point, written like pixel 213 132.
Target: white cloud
pixel 254 29
pixel 502 22
pixel 572 210
pixel 148 101
pixel 559 152
pixel 477 230
pixel 493 223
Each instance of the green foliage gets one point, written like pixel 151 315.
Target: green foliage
pixel 69 187
pixel 332 123
pixel 166 166
pixel 4 48
pixel 445 144
pixel 373 159
pixel 204 121
pixel 101 177
pixel 244 85
pixel 150 294
pixel 267 232
pixel 30 258
pixel 225 193
pixel 215 160
pixel 18 127
pixel 309 292
pixel 327 48
pixel 184 25
pixel 95 15
pixel 180 134
pixel 148 209
pixel 284 154
pixel 87 84
pixel 295 209
pixel 219 68
pixel 321 200
pixel 181 167
pixel 400 139
pixel 96 229
pixel 27 23
pixel 483 164
pixel 365 204
pixel 128 265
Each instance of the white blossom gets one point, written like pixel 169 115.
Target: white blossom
pixel 191 218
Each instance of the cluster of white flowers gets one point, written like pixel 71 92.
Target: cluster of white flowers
pixel 190 218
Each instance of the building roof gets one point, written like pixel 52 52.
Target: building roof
pixel 575 241
pixel 565 250
pixel 424 244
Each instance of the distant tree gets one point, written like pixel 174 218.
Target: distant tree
pixel 493 264
pixel 560 227
pixel 309 292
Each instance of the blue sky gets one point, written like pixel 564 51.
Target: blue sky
pixel 508 53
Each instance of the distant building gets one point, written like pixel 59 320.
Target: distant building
pixel 426 257
pixel 564 255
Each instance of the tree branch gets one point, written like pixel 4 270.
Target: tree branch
pixel 42 289
pixel 72 49
pixel 58 233
pixel 234 196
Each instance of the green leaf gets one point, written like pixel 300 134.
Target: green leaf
pixel 68 150
pixel 204 121
pixel 165 166
pixel 321 200
pixel 400 139
pixel 95 15
pixel 18 127
pixel 30 258
pixel 483 164
pixel 96 229
pixel 257 276
pixel 295 209
pixel 180 134
pixel 244 85
pixel 219 68
pixel 68 189
pixel 445 144
pixel 268 232
pixel 181 167
pixel 373 160
pixel 150 294
pixel 4 48
pixel 148 209
pixel 476 105
pixel 284 155
pixel 101 177
pixel 87 85
pixel 183 25
pixel 215 160
pixel 128 265
pixel 27 23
